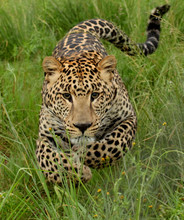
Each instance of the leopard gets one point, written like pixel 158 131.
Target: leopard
pixel 86 119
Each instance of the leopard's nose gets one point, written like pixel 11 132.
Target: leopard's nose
pixel 82 126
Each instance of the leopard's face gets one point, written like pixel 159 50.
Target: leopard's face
pixel 80 93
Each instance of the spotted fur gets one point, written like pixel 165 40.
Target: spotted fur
pixel 86 119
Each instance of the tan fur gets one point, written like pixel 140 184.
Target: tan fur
pixel 52 69
pixel 106 66
pixel 81 105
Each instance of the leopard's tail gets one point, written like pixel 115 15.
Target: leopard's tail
pixel 106 30
pixel 153 30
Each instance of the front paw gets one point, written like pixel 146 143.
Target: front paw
pixel 75 148
pixel 86 174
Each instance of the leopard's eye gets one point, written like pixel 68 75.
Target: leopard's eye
pixel 94 95
pixel 67 96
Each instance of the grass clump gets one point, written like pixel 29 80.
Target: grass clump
pixel 149 182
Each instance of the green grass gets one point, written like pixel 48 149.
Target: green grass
pixel 148 183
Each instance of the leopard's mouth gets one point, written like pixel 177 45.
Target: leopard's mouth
pixel 82 140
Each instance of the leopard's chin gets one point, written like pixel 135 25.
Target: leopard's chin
pixel 82 140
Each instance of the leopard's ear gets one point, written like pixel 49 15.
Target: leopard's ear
pixel 51 68
pixel 106 67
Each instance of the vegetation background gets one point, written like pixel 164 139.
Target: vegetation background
pixel 148 183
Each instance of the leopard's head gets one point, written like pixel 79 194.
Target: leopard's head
pixel 80 92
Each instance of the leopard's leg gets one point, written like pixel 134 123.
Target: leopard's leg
pixel 56 164
pixel 113 146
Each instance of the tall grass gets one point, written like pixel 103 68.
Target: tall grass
pixel 148 183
